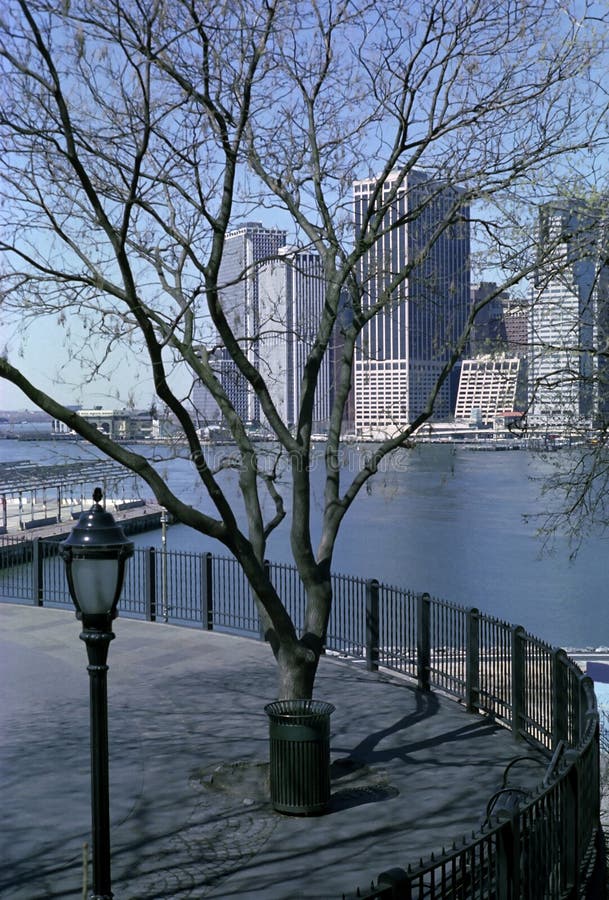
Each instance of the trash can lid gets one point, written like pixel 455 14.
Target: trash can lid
pixel 298 709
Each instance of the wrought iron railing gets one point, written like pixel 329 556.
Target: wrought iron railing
pixel 544 847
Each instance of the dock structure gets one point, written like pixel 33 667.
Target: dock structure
pixel 43 500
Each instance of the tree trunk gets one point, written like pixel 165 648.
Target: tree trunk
pixel 296 667
pixel 298 659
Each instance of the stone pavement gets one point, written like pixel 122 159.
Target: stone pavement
pixel 190 815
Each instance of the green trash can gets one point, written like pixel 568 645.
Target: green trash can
pixel 299 732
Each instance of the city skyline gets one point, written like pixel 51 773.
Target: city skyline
pixel 254 250
pixel 419 271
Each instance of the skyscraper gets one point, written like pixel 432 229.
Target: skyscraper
pixel 245 249
pixel 291 298
pixel 568 317
pixel 206 410
pixel 516 321
pixel 404 347
pixel 488 334
pixel 235 386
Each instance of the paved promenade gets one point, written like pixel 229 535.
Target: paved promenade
pixel 188 768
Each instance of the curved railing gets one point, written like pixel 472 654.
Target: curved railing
pixel 534 847
pixel 537 846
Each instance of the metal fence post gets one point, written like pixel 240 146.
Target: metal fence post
pixel 207 596
pixel 37 573
pixel 150 585
pixel 424 641
pixel 570 831
pixel 372 625
pixel 560 722
pixel 472 660
pixel 508 859
pixel 585 690
pixel 518 679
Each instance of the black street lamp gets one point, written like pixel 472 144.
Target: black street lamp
pixel 95 554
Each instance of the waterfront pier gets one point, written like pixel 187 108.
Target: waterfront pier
pixel 42 501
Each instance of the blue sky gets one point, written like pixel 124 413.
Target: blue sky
pixel 41 355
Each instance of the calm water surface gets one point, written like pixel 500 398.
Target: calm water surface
pixel 446 520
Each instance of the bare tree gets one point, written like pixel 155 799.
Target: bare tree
pixel 136 135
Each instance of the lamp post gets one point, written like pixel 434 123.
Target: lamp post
pixel 164 565
pixel 95 554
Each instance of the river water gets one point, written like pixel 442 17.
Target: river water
pixel 442 519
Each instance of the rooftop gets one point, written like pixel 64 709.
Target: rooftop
pixel 19 476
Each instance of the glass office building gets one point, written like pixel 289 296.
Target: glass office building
pixel 418 271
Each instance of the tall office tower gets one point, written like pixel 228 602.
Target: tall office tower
pixel 488 334
pixel 245 249
pixel 207 412
pixel 291 298
pixel 403 349
pixel 568 317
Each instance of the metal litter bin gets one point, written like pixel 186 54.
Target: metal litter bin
pixel 299 733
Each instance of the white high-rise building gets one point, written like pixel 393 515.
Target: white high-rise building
pixel 403 349
pixel 291 298
pixel 568 318
pixel 245 250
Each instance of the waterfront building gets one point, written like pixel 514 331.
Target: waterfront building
pixel 291 298
pixel 487 389
pixel 60 429
pixel 121 424
pixel 568 318
pixel 421 263
pixel 245 249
